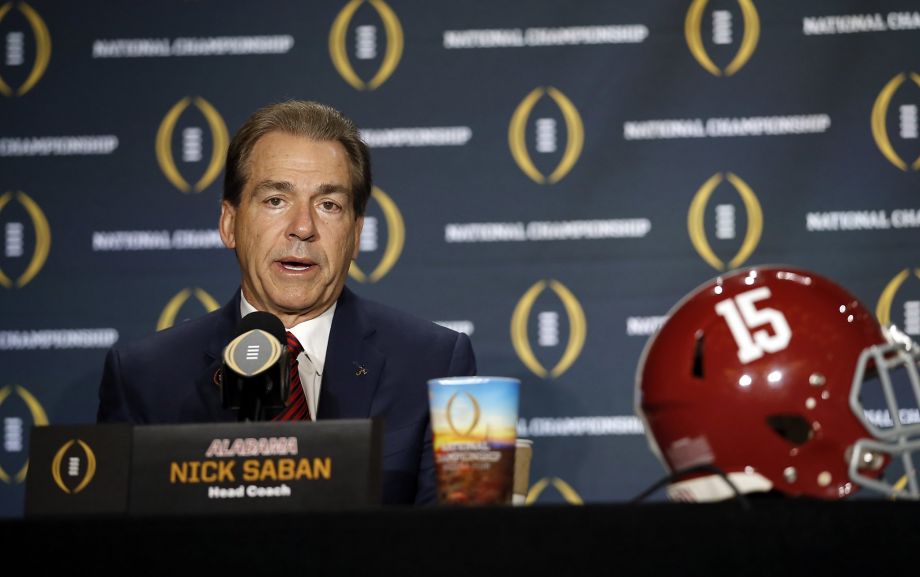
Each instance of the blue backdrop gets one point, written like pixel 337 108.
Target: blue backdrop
pixel 551 177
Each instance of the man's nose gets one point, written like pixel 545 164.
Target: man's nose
pixel 303 224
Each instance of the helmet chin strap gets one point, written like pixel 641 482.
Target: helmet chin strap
pixel 716 486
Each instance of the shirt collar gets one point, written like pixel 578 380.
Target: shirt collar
pixel 312 334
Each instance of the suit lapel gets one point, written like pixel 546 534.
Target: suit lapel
pixel 206 383
pixel 353 364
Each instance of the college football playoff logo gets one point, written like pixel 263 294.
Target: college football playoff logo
pixel 908 125
pixel 16 51
pixel 192 144
pixel 911 320
pixel 463 414
pixel 73 467
pixel 171 310
pixel 17 407
pixel 16 243
pixel 548 328
pixel 725 221
pixel 366 44
pixel 370 235
pixel 723 35
pixel 564 489
pixel 545 132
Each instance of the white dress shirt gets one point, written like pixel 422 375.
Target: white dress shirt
pixel 314 337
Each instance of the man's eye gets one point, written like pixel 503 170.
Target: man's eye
pixel 329 206
pixel 274 201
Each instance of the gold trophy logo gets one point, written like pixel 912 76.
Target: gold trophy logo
pixel 171 310
pixel 883 307
pixel 39 419
pixel 392 53
pixel 81 465
pixel 42 47
pixel 570 495
pixel 396 238
pixel 693 32
pixel 696 221
pixel 879 116
pixel 42 239
pixel 575 135
pixel 219 142
pixel 577 328
pixel 469 414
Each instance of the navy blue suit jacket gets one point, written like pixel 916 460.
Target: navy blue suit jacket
pixel 169 377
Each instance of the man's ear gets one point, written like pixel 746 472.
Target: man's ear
pixel 227 224
pixel 359 225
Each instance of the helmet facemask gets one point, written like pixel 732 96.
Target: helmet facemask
pixel 885 397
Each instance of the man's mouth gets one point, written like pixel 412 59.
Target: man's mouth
pixel 294 264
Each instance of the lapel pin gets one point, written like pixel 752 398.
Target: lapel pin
pixel 360 371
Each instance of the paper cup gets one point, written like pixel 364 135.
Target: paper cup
pixel 522 456
pixel 474 422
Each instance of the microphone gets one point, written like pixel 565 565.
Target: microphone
pixel 255 368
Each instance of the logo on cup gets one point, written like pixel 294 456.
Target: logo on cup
pixel 545 132
pixel 370 237
pixel 192 144
pixel 73 467
pixel 17 407
pixel 911 320
pixel 15 242
pixel 723 34
pixel 463 414
pixel 171 310
pixel 908 121
pixel 15 54
pixel 548 330
pixel 724 220
pixel 366 45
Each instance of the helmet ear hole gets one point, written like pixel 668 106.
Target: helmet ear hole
pixel 698 355
pixel 793 428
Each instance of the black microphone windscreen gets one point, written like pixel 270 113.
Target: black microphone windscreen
pixel 263 321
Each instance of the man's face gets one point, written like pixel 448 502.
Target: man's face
pixel 294 231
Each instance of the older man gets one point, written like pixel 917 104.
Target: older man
pixel 297 183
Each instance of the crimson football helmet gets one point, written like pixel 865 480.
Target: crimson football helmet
pixel 761 374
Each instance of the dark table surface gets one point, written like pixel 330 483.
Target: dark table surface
pixel 771 537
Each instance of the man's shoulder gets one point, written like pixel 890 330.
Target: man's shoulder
pixel 181 339
pixel 414 345
pixel 387 319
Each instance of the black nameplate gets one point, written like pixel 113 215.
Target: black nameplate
pixel 78 470
pixel 255 467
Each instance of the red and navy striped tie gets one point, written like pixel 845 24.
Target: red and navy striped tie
pixel 297 408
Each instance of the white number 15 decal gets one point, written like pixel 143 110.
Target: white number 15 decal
pixel 742 317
